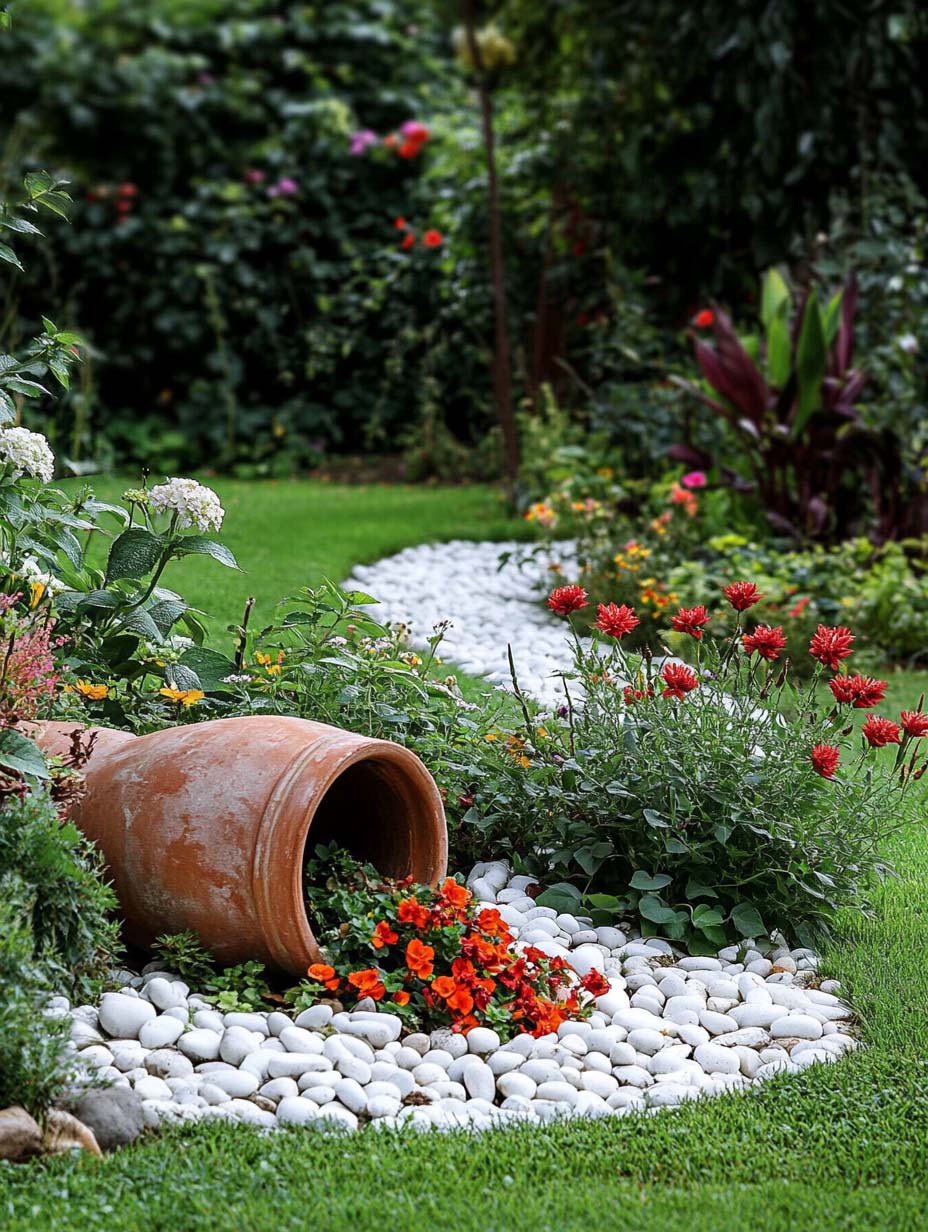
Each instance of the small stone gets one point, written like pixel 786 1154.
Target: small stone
pixel 153 1088
pixel 166 994
pixel 214 1095
pixel 200 1045
pixel 479 1080
pixel 237 1043
pixel 160 1032
pixel 715 1059
pixel 166 1063
pixel 122 1016
pixel 20 1135
pixel 315 1018
pixel 802 1026
pixel 483 1040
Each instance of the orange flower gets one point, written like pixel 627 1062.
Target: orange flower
pixel 368 983
pixel 454 893
pixel 323 974
pixel 443 986
pixel 401 997
pixel 383 935
pixel 490 921
pixel 419 959
pixel 460 1000
pixel 411 911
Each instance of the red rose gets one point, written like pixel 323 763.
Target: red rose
pixel 679 680
pixel 831 645
pixel 616 620
pixel 690 620
pixel 825 759
pixel 765 641
pixel 914 723
pixel 566 599
pixel 742 595
pixel 878 731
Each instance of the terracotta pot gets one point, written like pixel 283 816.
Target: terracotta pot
pixel 207 827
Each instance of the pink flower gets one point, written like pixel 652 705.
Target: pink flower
pixel 254 176
pixel 284 187
pixel 360 141
pixel 694 479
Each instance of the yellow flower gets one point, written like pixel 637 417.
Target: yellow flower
pixel 272 667
pixel 184 697
pixel 93 692
pixel 38 590
pixel 605 472
pixel 491 736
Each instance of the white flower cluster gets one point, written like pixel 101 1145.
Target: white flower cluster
pixel 27 452
pixel 194 504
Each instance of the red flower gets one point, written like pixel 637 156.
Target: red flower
pixel 616 620
pixel 596 984
pixel 433 239
pixel 400 223
pixel 383 935
pixel 825 759
pixel 742 595
pixel 454 893
pixel 878 731
pixel 679 680
pixel 127 190
pixel 408 240
pixel 419 959
pixel 411 911
pixel 409 149
pixel 914 723
pixel 368 983
pixel 831 645
pixel 690 620
pixel 799 607
pixel 566 599
pixel 860 691
pixel 703 319
pixel 635 695
pixel 765 641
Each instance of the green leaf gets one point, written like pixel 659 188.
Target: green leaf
pixel 644 881
pixel 779 349
pixel 166 612
pixel 7 254
pixel 707 917
pixel 200 545
pixel 651 908
pixel 811 362
pixel 698 889
pixel 655 819
pixel 774 295
pixel 831 320
pixel 561 897
pixel 21 755
pixel 747 919
pixel 210 667
pixel 134 554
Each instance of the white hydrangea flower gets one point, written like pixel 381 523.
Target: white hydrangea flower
pixel 27 452
pixel 194 504
pixel 907 343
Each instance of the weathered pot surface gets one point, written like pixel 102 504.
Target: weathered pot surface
pixel 205 827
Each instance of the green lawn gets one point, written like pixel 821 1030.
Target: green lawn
pixel 843 1147
pixel 290 533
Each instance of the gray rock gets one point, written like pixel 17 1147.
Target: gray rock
pixel 114 1115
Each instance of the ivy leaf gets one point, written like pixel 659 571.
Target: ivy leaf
pixel 136 552
pixel 644 881
pixel 562 897
pixel 651 907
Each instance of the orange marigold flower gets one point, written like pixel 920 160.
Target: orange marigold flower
pixel 383 935
pixel 596 984
pixel 411 911
pixel 419 959
pixel 461 1000
pixel 490 921
pixel 320 972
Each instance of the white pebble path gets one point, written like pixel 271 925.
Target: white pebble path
pixel 489 608
pixel 672 1028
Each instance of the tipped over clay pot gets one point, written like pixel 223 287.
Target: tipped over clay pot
pixel 207 827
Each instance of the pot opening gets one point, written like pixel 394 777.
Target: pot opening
pixel 368 811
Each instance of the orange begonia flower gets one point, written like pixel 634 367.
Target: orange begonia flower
pixel 368 983
pixel 383 935
pixel 419 959
pixel 401 997
pixel 443 986
pixel 411 911
pixel 454 893
pixel 323 974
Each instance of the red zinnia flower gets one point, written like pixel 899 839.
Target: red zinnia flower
pixel 679 680
pixel 914 723
pixel 878 731
pixel 408 240
pixel 860 691
pixel 616 620
pixel 765 641
pixel 825 759
pixel 703 319
pixel 690 620
pixel 831 645
pixel 432 239
pixel 566 599
pixel 742 595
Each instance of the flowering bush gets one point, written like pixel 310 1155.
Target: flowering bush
pixel 432 956
pixel 708 800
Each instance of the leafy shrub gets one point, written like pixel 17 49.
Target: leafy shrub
pixel 34 1065
pixel 69 904
pixel 707 804
pixel 430 955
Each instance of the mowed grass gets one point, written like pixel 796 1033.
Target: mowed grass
pixel 836 1148
pixel 291 533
